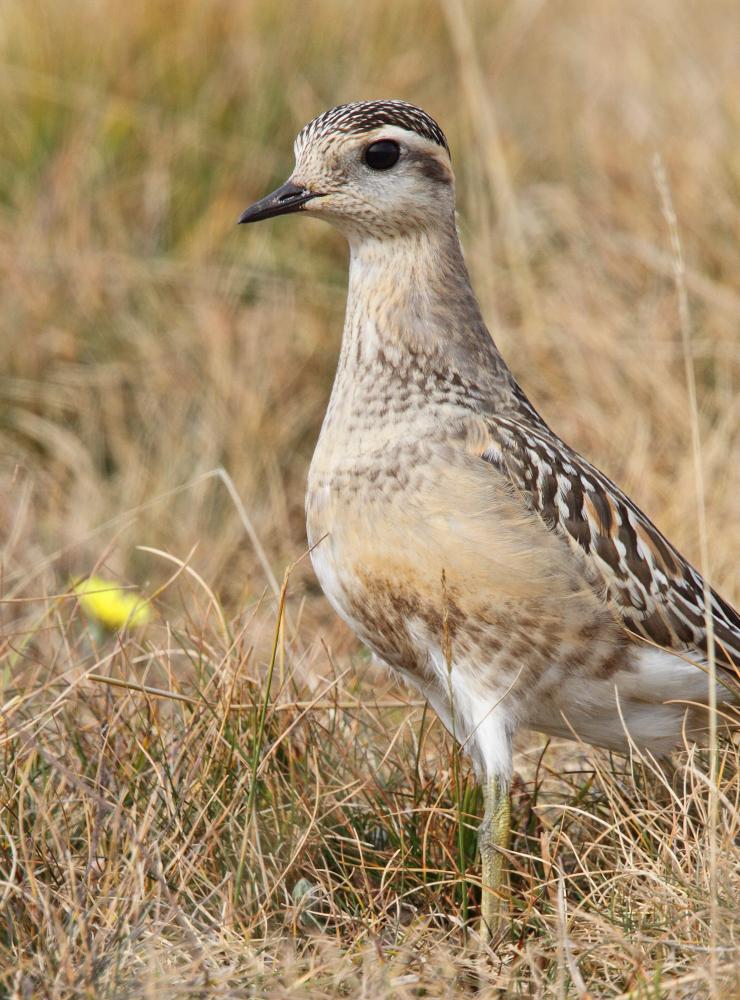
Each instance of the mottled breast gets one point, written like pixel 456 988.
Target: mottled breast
pixel 423 547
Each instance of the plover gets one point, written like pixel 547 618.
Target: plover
pixel 481 558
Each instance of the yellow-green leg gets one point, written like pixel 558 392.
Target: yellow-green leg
pixel 492 838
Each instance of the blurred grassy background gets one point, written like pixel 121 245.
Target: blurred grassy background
pixel 145 339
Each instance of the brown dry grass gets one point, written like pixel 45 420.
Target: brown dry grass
pixel 160 847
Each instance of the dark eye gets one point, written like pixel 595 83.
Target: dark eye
pixel 383 154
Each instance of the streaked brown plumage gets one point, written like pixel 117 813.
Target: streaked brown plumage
pixel 479 556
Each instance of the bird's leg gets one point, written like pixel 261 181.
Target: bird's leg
pixel 492 838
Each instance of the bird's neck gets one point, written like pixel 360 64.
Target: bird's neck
pixel 410 302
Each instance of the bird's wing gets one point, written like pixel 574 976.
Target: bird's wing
pixel 656 592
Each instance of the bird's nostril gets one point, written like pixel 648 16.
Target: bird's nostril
pixel 288 195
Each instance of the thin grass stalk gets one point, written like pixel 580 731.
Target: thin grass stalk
pixel 258 740
pixel 679 275
pixel 447 650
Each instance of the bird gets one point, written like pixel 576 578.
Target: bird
pixel 483 560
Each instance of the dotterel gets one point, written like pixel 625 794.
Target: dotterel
pixel 486 562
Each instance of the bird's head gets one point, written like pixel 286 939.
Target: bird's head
pixel 372 168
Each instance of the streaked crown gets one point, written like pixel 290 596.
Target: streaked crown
pixel 366 116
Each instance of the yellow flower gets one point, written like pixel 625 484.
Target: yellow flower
pixel 108 603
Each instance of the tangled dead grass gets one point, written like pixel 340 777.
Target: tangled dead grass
pixel 198 831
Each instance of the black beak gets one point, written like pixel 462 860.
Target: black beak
pixel 289 197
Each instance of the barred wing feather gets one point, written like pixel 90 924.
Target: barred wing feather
pixel 657 593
